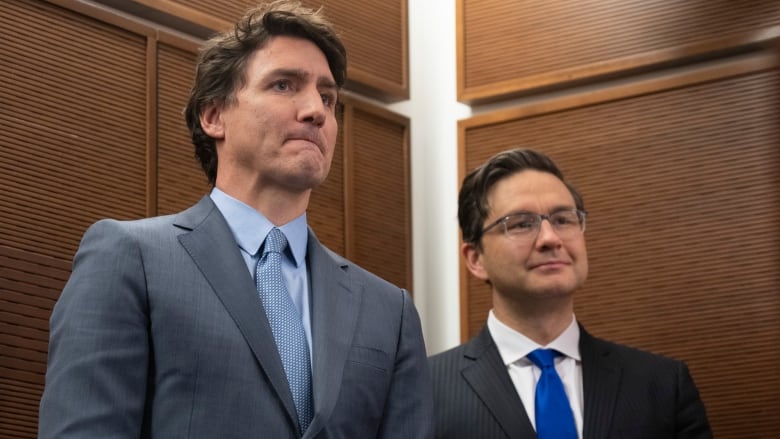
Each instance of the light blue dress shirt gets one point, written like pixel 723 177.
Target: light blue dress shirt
pixel 250 228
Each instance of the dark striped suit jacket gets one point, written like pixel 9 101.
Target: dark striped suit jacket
pixel 628 394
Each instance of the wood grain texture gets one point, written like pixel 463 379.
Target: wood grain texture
pixel 72 153
pixel 181 181
pixel 375 33
pixel 363 210
pixel 511 48
pixel 380 190
pixel 327 207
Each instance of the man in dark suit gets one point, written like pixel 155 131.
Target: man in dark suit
pixel 195 325
pixel 522 226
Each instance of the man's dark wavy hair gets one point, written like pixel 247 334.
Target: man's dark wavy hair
pixel 221 66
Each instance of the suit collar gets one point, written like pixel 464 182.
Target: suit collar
pixel 251 227
pixel 211 245
pixel 600 383
pixel 486 373
pixel 335 299
pixel 513 345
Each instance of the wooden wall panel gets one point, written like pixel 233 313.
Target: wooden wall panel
pixel 72 108
pixel 363 210
pixel 71 149
pixel 30 285
pixel 375 33
pixel 327 209
pixel 180 180
pixel 681 185
pixel 227 10
pixel 380 192
pixel 368 28
pixel 510 48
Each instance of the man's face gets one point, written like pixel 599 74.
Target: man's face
pixel 541 266
pixel 280 131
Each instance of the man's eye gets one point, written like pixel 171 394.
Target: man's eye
pixel 282 85
pixel 564 220
pixel 520 224
pixel 328 99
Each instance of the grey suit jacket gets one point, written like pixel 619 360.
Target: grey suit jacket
pixel 160 333
pixel 629 394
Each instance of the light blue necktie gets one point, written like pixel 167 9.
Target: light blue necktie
pixel 286 325
pixel 554 418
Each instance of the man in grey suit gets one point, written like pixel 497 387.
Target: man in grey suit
pixel 163 329
pixel 522 226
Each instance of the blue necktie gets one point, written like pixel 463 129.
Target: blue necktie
pixel 554 418
pixel 286 325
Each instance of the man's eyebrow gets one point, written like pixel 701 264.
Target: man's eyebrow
pixel 326 82
pixel 322 81
pixel 293 73
pixel 555 209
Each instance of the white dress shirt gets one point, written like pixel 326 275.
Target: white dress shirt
pixel 514 347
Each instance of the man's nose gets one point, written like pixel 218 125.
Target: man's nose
pixel 547 236
pixel 311 108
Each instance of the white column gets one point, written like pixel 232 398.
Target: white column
pixel 434 111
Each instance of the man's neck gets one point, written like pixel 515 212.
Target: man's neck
pixel 279 206
pixel 542 321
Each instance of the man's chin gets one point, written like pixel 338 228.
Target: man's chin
pixel 554 290
pixel 309 179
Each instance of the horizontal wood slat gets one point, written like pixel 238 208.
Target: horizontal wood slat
pixel 381 194
pixel 30 285
pixel 227 10
pixel 363 210
pixel 511 48
pixel 180 180
pixel 326 214
pixel 73 111
pixel 375 33
pixel 368 28
pixel 72 149
pixel 681 186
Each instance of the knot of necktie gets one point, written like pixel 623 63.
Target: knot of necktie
pixel 543 358
pixel 275 242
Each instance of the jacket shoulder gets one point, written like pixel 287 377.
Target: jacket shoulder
pixel 625 354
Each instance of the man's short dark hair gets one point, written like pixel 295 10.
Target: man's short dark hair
pixel 473 207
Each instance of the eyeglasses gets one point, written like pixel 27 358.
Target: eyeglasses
pixel 525 225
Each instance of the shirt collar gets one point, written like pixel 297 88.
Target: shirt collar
pixel 250 227
pixel 513 345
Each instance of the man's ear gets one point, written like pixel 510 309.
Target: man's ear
pixel 211 120
pixel 473 257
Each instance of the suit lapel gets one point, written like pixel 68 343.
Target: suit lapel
pixel 488 377
pixel 600 383
pixel 213 248
pixel 335 302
